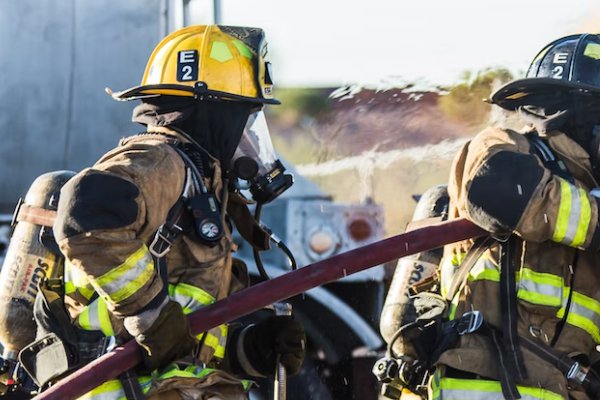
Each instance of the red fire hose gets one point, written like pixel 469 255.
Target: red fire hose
pixel 125 357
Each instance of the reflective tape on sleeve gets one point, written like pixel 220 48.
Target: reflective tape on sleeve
pixel 77 281
pixel 95 317
pixel 128 278
pixel 574 215
pixel 193 298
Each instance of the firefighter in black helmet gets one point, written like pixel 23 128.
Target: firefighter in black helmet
pixel 537 284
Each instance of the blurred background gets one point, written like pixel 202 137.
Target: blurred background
pixel 377 97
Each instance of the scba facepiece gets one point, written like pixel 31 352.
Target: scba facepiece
pixel 256 162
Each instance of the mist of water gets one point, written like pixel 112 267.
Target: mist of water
pixel 370 160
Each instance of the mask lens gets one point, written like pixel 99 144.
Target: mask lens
pixel 256 144
pixel 256 162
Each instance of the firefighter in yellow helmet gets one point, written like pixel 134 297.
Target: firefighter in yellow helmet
pixel 145 230
pixel 525 306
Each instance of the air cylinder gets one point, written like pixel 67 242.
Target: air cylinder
pixel 398 309
pixel 28 260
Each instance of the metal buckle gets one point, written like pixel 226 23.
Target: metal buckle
pixel 577 373
pixel 469 322
pixel 164 235
pixel 159 238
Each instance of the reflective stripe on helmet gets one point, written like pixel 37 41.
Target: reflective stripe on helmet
pixel 574 215
pixel 128 278
pixel 479 389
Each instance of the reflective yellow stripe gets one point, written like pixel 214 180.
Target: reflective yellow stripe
pixel 448 268
pixel 104 318
pixel 86 291
pixel 479 389
pixel 128 278
pixel 194 371
pixel 193 298
pixel 113 390
pixel 70 287
pixel 190 297
pixel 76 280
pixel 584 220
pixel 564 210
pixel 84 319
pixel 584 313
pixel 540 288
pixel 485 269
pixel 217 343
pixel 574 215
pixel 95 317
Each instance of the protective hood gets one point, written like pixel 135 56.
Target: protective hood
pixel 216 126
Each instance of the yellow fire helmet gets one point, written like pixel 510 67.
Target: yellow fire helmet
pixel 209 62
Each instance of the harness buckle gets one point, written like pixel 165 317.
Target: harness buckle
pixel 577 373
pixel 469 322
pixel 164 235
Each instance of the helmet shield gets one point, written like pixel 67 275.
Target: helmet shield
pixel 255 161
pixel 567 65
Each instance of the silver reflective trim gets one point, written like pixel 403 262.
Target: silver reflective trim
pixel 131 273
pixel 94 314
pixel 187 302
pixel 456 394
pixel 584 312
pixel 540 288
pixel 483 264
pixel 574 215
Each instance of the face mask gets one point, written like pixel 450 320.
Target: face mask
pixel 255 161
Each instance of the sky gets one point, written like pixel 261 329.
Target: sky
pixel 339 42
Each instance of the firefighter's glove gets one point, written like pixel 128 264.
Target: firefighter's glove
pixel 163 333
pixel 262 343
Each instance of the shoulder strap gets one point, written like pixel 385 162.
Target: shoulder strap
pixel 540 148
pixel 475 252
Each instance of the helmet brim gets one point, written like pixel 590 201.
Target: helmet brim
pixel 518 93
pixel 148 91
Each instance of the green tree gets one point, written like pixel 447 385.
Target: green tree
pixel 464 102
